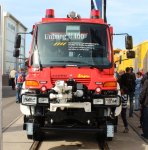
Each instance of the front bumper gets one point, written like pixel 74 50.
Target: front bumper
pixel 96 101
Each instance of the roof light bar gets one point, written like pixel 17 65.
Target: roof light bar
pixel 95 14
pixel 49 13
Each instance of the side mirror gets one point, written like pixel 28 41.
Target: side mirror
pixel 16 53
pixel 130 54
pixel 17 43
pixel 128 42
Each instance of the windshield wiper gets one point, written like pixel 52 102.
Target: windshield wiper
pixel 77 64
pixel 89 65
pixel 70 63
pixel 54 65
pixel 67 61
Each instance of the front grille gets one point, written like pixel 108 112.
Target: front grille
pixel 78 80
pixel 109 92
pixel 83 81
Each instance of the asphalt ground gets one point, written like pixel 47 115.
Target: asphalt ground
pixel 7 92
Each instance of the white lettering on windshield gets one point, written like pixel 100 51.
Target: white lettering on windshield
pixel 71 36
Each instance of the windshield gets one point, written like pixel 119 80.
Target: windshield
pixel 78 44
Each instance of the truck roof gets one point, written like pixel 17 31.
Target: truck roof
pixel 84 20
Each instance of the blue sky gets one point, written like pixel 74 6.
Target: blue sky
pixel 130 16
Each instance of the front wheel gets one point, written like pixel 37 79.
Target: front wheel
pixel 37 136
pixel 30 136
pixel 109 138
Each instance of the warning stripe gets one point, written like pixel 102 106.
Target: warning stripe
pixel 59 44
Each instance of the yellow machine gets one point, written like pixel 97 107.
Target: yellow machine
pixel 140 62
pixel 121 59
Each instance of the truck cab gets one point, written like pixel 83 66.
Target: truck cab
pixel 70 83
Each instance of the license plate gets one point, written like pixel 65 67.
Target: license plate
pixel 111 101
pixel 43 100
pixel 29 99
pixel 97 101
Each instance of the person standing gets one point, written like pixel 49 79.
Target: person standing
pixel 145 76
pixel 144 103
pixel 131 89
pixel 121 72
pixel 12 78
pixel 124 100
pixel 123 82
pixel 132 73
pixel 127 85
pixel 137 90
pixel 19 79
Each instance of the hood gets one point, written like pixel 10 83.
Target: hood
pixel 90 77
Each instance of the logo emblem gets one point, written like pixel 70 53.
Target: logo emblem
pixel 83 76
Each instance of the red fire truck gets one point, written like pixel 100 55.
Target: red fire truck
pixel 70 83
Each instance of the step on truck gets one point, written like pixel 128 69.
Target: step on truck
pixel 70 84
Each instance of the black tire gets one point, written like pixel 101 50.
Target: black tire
pixel 115 128
pixel 109 138
pixel 26 118
pixel 29 136
pixel 38 136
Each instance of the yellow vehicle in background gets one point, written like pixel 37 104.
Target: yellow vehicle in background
pixel 121 60
pixel 140 62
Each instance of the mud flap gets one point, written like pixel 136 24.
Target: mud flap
pixel 110 130
pixel 29 128
pixel 33 131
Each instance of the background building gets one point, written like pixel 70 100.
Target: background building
pixel 10 27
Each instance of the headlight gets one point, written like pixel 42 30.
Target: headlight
pixel 112 101
pixel 29 100
pixel 98 101
pixel 43 100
